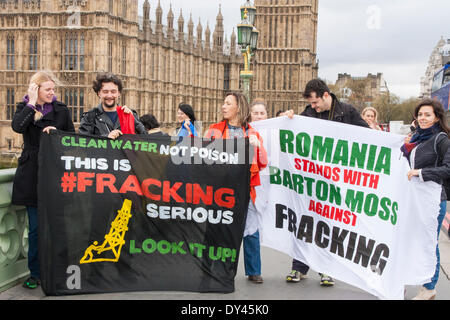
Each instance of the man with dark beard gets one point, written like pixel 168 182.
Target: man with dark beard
pixel 322 105
pixel 109 119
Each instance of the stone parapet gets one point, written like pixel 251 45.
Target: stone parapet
pixel 13 235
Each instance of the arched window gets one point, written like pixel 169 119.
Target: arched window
pixel 110 56
pixel 74 47
pixel 33 52
pixel 74 99
pixel 81 52
pixel 124 58
pixel 124 9
pixel 10 103
pixel 10 53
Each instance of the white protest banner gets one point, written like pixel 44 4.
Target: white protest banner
pixel 337 198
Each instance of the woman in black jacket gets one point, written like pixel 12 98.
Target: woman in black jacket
pixel 429 157
pixel 38 112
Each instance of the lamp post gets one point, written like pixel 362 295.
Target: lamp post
pixel 248 41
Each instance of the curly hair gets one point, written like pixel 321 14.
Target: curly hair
pixel 106 77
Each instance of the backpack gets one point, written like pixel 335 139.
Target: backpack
pixel 442 149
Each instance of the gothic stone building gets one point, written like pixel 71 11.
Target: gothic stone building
pixel 161 64
pixel 438 58
pixel 372 86
pixel 287 52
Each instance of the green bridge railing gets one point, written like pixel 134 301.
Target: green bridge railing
pixel 13 235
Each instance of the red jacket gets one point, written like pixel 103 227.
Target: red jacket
pixel 259 161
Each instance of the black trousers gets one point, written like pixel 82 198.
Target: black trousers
pixel 299 266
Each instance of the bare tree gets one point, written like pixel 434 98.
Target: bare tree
pixel 386 104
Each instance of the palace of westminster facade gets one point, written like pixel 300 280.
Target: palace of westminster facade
pixel 162 63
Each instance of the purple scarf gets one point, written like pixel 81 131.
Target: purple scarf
pixel 45 109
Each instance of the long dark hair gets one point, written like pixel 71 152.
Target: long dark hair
pixel 188 110
pixel 438 110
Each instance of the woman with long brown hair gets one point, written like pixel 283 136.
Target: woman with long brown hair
pixel 235 124
pixel 428 153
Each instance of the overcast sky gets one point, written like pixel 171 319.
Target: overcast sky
pixel 354 36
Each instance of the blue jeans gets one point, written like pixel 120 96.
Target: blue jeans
pixel 33 245
pixel 252 255
pixel 431 285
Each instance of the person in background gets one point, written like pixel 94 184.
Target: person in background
pixel 370 115
pixel 186 120
pixel 38 113
pixel 235 124
pixel 109 119
pixel 323 104
pixel 251 243
pixel 152 125
pixel 428 153
pixel 280 113
pixel 258 110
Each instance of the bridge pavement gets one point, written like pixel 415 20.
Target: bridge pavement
pixel 275 266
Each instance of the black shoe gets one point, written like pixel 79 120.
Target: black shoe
pixel 31 283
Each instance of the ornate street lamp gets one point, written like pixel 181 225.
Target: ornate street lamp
pixel 248 41
pixel 251 11
pixel 254 39
pixel 244 32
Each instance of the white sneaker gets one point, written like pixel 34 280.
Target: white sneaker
pixel 295 276
pixel 425 294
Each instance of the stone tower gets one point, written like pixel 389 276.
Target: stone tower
pixel 287 51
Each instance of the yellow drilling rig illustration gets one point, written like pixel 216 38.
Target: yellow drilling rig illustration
pixel 114 240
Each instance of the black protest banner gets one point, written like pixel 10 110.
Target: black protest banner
pixel 140 213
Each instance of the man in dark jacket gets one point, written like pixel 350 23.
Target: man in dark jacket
pixel 103 120
pixel 322 105
pixel 325 105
